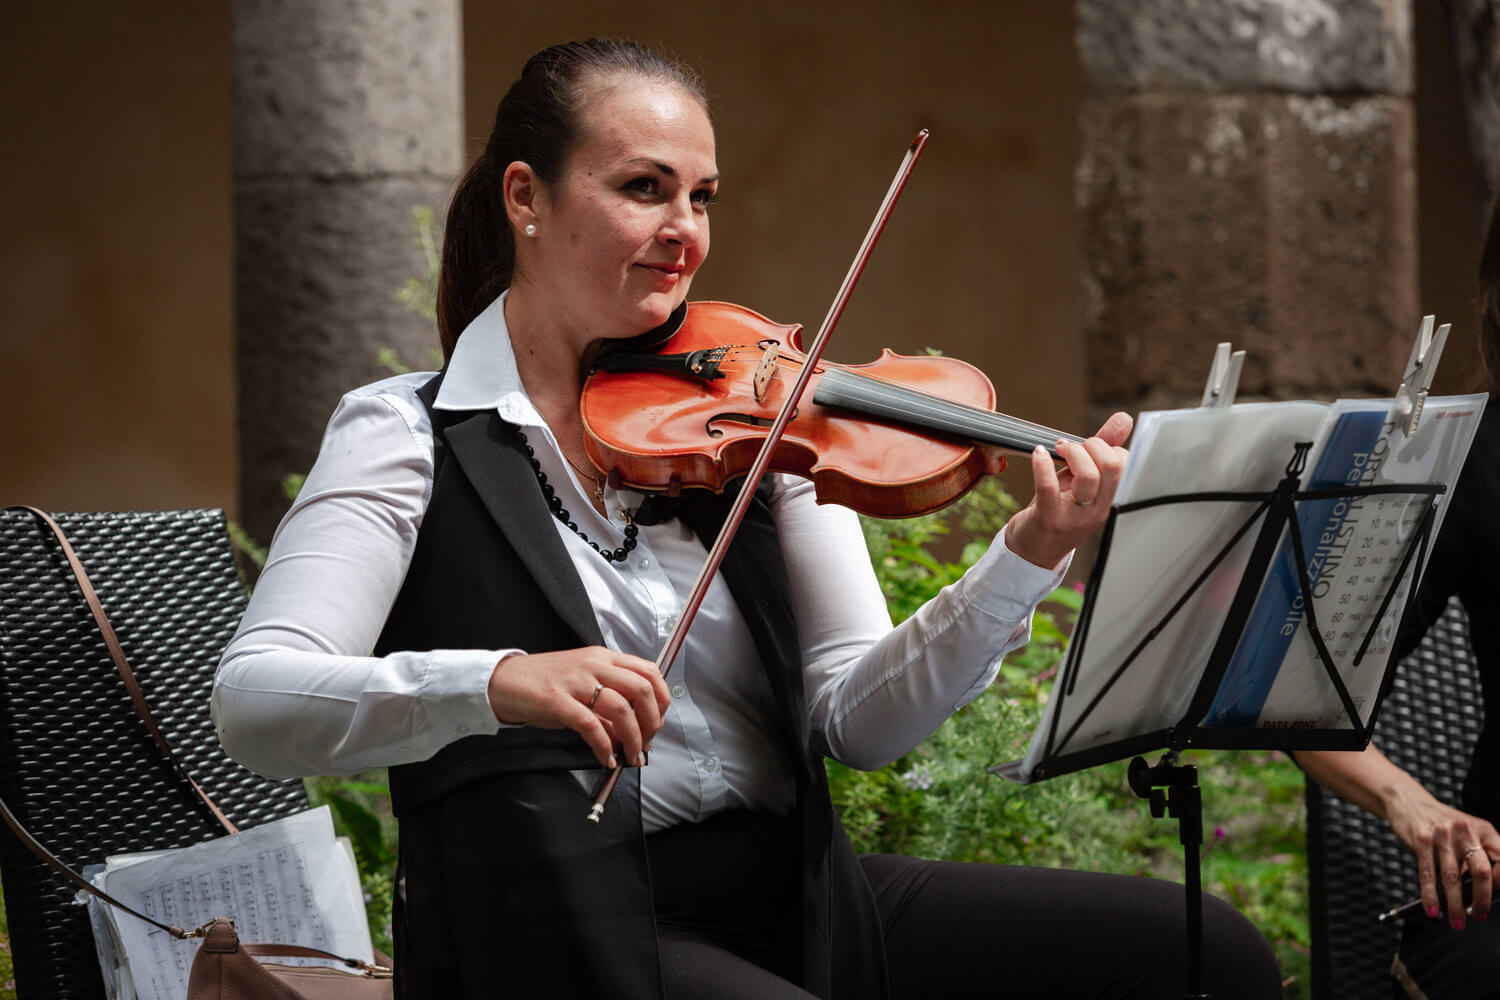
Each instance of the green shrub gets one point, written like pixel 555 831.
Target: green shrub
pixel 361 809
pixel 939 800
pixel 7 970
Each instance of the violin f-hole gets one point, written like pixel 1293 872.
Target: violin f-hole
pixel 748 419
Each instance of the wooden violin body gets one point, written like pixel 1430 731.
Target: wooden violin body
pixel 894 437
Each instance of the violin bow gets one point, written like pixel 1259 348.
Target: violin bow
pixel 757 471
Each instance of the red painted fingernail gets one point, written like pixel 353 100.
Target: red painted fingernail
pixel 1458 924
pixel 1432 911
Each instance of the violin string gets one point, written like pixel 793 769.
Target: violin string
pixel 880 398
pixel 946 413
pixel 905 404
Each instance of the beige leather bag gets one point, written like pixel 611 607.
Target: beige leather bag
pixel 224 969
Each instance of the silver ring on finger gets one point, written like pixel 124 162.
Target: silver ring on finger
pixel 595 696
pixel 1082 503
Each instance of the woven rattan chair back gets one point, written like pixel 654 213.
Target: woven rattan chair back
pixel 76 764
pixel 1357 868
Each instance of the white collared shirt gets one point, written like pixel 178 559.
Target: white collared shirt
pixel 298 692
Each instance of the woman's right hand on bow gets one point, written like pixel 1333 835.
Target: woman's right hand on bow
pixel 613 700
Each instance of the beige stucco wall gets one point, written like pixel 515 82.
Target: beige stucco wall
pixel 115 255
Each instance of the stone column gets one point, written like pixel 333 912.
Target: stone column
pixel 1246 174
pixel 346 119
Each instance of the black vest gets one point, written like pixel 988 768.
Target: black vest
pixel 505 889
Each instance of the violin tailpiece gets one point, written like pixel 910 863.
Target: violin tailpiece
pixel 702 364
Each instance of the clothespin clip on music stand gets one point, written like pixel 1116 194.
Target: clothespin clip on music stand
pixel 1416 379
pixel 1223 377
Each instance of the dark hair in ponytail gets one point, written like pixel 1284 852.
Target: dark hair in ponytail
pixel 1489 302
pixel 538 123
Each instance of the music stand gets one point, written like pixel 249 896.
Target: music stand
pixel 1242 647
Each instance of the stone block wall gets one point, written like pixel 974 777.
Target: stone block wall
pixel 1246 174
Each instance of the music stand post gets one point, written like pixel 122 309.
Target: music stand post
pixel 1172 790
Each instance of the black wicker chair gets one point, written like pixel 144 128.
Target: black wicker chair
pixel 1357 867
pixel 76 763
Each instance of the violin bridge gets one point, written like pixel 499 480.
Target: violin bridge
pixel 764 371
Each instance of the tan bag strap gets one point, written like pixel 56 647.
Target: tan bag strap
pixel 117 653
pixel 68 873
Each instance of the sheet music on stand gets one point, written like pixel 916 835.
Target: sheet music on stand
pixel 1150 666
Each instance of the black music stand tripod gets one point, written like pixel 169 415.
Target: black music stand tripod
pixel 1172 790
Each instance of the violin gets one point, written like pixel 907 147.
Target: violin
pixel 894 437
pixel 718 399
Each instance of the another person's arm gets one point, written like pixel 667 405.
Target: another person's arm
pixel 1439 836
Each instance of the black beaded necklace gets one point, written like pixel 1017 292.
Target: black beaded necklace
pixel 561 513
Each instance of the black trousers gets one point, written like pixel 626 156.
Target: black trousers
pixel 726 905
pixel 1446 964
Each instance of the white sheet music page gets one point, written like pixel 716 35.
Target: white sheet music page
pixel 284 882
pixel 1154 557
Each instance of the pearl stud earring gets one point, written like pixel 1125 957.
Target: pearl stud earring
pixel 530 229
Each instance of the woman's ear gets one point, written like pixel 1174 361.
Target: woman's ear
pixel 521 188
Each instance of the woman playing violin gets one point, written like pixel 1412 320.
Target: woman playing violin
pixel 459 595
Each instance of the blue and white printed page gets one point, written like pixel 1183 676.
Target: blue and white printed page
pixel 1354 549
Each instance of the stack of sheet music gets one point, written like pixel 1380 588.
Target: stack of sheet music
pixel 286 882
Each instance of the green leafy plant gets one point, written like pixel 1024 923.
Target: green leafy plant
pixel 940 801
pixel 7 969
pixel 361 808
pixel 419 294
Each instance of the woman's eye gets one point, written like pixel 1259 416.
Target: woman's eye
pixel 705 198
pixel 641 185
